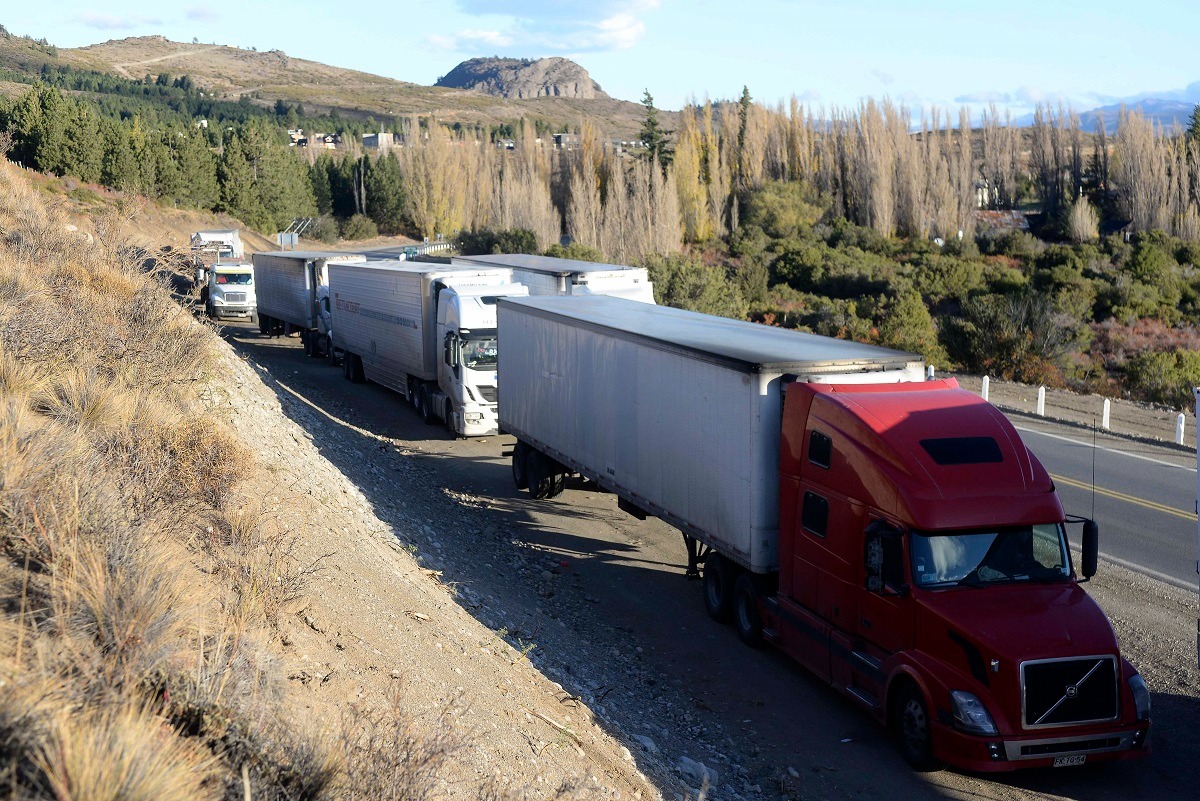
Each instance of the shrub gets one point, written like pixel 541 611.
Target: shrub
pixel 358 227
pixel 1083 224
pixel 325 229
pixel 1164 377
pixel 687 284
pixel 485 241
pixel 575 250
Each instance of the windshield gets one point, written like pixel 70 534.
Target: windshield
pixel 479 353
pixel 235 278
pixel 975 558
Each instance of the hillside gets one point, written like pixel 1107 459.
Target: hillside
pixel 524 78
pixel 231 72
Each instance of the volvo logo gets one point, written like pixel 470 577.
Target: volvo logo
pixel 1072 691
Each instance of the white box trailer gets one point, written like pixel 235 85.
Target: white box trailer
pixel 545 275
pixel 676 412
pixel 427 331
pixel 291 286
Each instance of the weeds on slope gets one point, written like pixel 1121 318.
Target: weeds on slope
pixel 134 589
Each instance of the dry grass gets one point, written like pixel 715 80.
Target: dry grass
pixel 126 671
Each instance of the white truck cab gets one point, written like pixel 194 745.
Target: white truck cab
pixel 467 372
pixel 230 292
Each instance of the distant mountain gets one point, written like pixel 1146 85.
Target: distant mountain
pixel 520 79
pixel 554 90
pixel 1166 113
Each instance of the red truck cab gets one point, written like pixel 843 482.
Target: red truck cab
pixel 924 571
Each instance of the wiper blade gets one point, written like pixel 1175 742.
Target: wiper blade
pixel 971 580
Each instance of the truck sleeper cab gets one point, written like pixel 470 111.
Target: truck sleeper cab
pixel 925 572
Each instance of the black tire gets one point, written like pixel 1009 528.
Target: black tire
pixel 306 343
pixel 264 323
pixel 544 479
pixel 718 588
pixel 425 405
pixel 357 374
pixel 746 617
pixel 348 366
pixel 910 719
pixel 520 479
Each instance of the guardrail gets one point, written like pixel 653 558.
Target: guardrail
pixel 1115 415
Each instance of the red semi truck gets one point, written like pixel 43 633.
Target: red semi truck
pixel 893 535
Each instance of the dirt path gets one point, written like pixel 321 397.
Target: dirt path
pixel 122 69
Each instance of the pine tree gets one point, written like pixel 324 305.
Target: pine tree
pixel 652 134
pixel 385 194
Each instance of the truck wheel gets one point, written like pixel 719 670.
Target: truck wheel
pixel 746 617
pixel 305 344
pixel 543 480
pixel 910 717
pixel 425 406
pixel 357 374
pixel 264 322
pixel 519 454
pixel 718 588
pixel 347 365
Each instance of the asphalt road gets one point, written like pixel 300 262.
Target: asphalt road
pixel 714 696
pixel 1143 496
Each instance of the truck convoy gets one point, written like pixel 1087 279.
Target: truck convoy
pixel 293 289
pixel 893 535
pixel 427 331
pixel 545 275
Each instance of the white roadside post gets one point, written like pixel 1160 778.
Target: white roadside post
pixel 1179 429
pixel 1196 395
pixel 1105 414
pixel 986 384
pixel 1041 406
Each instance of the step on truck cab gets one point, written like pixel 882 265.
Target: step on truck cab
pixel 893 535
pixel 545 275
pixel 427 331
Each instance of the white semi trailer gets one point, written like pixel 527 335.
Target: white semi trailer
pixel 676 412
pixel 545 275
pixel 427 331
pixel 293 289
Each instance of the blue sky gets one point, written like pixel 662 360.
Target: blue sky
pixel 921 52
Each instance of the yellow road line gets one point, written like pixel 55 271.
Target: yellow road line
pixel 1120 496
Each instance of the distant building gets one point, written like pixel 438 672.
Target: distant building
pixel 381 141
pixel 1001 221
pixel 566 141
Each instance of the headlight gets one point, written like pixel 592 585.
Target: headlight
pixel 217 299
pixel 1141 696
pixel 970 713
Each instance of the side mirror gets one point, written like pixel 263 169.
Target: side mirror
pixel 1091 548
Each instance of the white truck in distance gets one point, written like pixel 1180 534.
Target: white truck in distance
pixel 210 247
pixel 545 275
pixel 230 292
pixel 293 295
pixel 427 331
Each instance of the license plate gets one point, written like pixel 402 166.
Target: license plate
pixel 1069 761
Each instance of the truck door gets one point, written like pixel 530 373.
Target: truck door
pixel 885 609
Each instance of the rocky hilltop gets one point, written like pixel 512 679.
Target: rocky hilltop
pixel 521 79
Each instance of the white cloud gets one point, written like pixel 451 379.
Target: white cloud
pixel 985 96
pixel 112 22
pixel 202 14
pixel 885 77
pixel 572 26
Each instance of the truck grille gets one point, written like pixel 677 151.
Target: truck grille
pixel 1064 692
pixel 487 393
pixel 235 297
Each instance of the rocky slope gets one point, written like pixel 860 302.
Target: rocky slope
pixel 521 79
